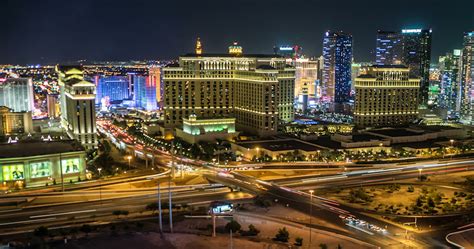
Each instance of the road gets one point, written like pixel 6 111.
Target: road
pixel 62 214
pixel 331 211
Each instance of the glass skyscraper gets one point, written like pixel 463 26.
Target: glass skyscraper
pixel 417 56
pixel 389 48
pixel 113 87
pixel 410 47
pixel 144 92
pixel 337 55
pixel 449 83
pixel 17 94
pixel 467 79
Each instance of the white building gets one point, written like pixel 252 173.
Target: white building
pixel 17 94
pixel 77 105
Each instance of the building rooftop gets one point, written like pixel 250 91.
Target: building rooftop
pixel 396 132
pixel 280 145
pixel 233 55
pixel 327 142
pixel 37 148
pixel 389 66
pixel 364 137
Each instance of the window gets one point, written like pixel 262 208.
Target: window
pixel 70 165
pixel 13 172
pixel 40 169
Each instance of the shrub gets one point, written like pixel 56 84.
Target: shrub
pixel 410 189
pixel 283 235
pixel 298 241
pixel 323 246
pixel 232 225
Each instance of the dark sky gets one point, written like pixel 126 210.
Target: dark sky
pixel 50 31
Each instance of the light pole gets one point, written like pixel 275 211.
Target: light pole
pixel 419 173
pixel 258 154
pixel 129 158
pixel 310 214
pixel 452 147
pixel 100 187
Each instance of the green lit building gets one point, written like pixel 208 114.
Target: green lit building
pixel 197 130
pixel 37 163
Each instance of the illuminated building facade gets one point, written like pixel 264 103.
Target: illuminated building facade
pixel 291 52
pixel 28 164
pixel 235 49
pixel 386 96
pixel 306 76
pixel 157 80
pixel 52 102
pixel 256 90
pixel 467 79
pixel 77 105
pixel 145 92
pixel 113 87
pixel 17 94
pixel 389 48
pixel 449 66
pixel 337 54
pixel 417 57
pixel 14 122
pixel 197 130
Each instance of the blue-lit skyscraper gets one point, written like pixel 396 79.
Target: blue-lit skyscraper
pixel 113 87
pixel 389 48
pixel 449 82
pixel 337 55
pixel 417 56
pixel 467 79
pixel 144 92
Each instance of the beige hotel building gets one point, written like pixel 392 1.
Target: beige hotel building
pixel 256 90
pixel 386 96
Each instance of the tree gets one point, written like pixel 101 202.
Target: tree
pixel 411 189
pixel 232 225
pixel 283 235
pixel 298 241
pixel 323 246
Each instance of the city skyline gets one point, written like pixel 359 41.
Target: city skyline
pixel 96 31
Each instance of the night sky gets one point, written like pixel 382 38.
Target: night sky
pixel 51 31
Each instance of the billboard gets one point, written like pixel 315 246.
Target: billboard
pixel 13 172
pixel 70 165
pixel 40 169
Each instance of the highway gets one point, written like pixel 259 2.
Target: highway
pixel 332 211
pixel 61 214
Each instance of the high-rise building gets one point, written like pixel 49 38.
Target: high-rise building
pixel 289 52
pixel 112 87
pixel 14 122
pixel 77 105
pixel 256 90
pixel 449 66
pixel 145 92
pixel 306 76
pixel 410 47
pixel 337 53
pixel 389 48
pixel 467 79
pixel 157 80
pixel 17 94
pixel 417 57
pixel 52 102
pixel 386 96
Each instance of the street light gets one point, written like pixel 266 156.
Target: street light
pixel 100 187
pixel 129 158
pixel 419 173
pixel 310 214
